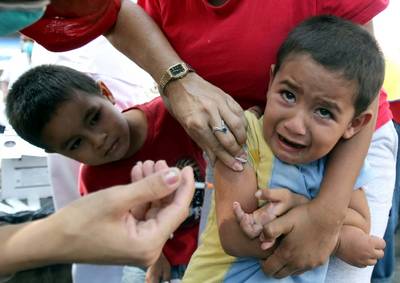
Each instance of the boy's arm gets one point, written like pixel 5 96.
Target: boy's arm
pixel 358 212
pixel 355 245
pixel 358 248
pixel 233 187
pixel 279 201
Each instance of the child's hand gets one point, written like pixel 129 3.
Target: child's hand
pixel 280 200
pixel 359 249
pixel 159 271
pixel 252 223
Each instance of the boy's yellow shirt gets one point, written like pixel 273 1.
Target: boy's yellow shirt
pixel 210 263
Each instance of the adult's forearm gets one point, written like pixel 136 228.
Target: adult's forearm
pixel 28 245
pixel 137 36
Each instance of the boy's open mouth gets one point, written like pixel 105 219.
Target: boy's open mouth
pixel 291 143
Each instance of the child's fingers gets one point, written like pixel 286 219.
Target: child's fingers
pixel 247 224
pixel 278 208
pixel 273 195
pixel 378 243
pixel 379 254
pixel 280 200
pixel 251 229
pixel 267 244
pixel 239 213
pixel 265 214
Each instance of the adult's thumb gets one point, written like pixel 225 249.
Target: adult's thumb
pixel 152 187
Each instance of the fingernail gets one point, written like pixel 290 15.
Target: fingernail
pixel 237 166
pixel 171 176
pixel 244 155
pixel 241 160
pixel 257 194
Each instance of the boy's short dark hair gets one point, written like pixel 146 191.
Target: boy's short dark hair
pixel 339 46
pixel 35 97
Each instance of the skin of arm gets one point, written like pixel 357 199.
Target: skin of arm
pixel 358 212
pixel 282 200
pixel 355 246
pixel 138 37
pixel 233 187
pixel 194 102
pixel 279 201
pixel 80 232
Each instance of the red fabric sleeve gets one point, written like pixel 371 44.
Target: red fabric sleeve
pixel 152 8
pixel 68 27
pixel 395 107
pixel 384 112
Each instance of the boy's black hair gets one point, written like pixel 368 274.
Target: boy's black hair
pixel 35 97
pixel 340 46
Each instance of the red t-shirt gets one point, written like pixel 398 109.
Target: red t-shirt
pixel 71 24
pixel 234 45
pixel 167 140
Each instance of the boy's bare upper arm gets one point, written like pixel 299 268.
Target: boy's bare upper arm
pixel 233 186
pixel 359 204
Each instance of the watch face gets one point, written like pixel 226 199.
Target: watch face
pixel 176 70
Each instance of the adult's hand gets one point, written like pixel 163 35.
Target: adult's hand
pixel 199 106
pixel 196 104
pixel 308 241
pixel 100 228
pixel 105 226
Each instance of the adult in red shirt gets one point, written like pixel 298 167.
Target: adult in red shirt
pixel 232 44
pixel 199 106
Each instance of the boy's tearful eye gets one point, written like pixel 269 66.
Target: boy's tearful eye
pixel 324 113
pixel 288 96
